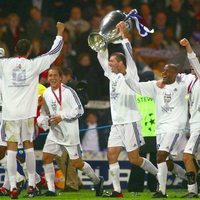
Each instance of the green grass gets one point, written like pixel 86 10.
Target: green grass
pixel 90 195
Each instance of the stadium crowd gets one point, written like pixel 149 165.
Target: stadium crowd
pixel 35 20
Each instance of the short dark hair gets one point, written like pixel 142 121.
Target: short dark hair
pixel 57 69
pixel 22 47
pixel 119 57
pixel 66 71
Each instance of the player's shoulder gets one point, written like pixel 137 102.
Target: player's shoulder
pixel 66 88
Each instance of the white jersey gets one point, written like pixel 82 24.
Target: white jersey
pixel 170 101
pixel 194 93
pixel 67 131
pixel 122 98
pixel 20 77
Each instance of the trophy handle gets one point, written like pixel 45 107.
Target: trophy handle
pixel 97 42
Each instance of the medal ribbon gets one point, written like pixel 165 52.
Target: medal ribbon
pixel 191 85
pixel 59 100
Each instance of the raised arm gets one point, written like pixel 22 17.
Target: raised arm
pixel 191 56
pixel 76 107
pixel 103 60
pixel 44 61
pixel 130 63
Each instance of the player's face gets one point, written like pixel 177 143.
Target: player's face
pixel 114 64
pixel 169 75
pixel 54 78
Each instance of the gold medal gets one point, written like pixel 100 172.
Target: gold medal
pixel 187 97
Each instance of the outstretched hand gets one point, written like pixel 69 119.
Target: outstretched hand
pixel 60 27
pixel 184 42
pixel 121 27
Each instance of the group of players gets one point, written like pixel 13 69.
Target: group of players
pixel 175 96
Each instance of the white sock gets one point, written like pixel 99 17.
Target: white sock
pixel 90 173
pixel 3 163
pixel 25 170
pixel 179 171
pixel 162 176
pixel 193 188
pixel 50 176
pixel 148 166
pixel 31 166
pixel 114 173
pixel 37 178
pixel 12 168
pixel 6 183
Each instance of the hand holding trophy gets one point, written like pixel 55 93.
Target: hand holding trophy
pixel 109 33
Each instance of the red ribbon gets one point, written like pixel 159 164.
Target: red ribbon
pixel 59 100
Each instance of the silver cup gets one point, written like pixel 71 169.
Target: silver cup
pixel 108 32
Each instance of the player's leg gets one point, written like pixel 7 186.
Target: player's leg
pixel 27 134
pixel 74 152
pixel 49 151
pixel 188 159
pixel 4 189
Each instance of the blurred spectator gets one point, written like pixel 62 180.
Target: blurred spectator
pixel 169 41
pixel 86 71
pixel 13 32
pixel 82 44
pixel 179 20
pixel 160 21
pixel 90 139
pixel 36 48
pixel 76 24
pixel 41 27
pixel 145 12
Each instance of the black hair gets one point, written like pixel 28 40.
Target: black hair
pixel 57 69
pixel 22 47
pixel 119 57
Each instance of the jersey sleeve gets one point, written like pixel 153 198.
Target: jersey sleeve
pixel 103 60
pixel 43 62
pixel 76 107
pixel 195 63
pixel 146 89
pixel 131 66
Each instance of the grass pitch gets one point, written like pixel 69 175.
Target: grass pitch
pixel 84 194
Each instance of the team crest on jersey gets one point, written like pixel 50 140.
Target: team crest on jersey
pixel 19 76
pixel 54 107
pixel 113 94
pixel 167 99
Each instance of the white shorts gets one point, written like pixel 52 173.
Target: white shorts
pixel 52 147
pixel 126 135
pixel 169 142
pixel 193 143
pixel 18 130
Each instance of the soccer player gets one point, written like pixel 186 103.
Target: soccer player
pixel 64 108
pixel 125 131
pixel 193 142
pixel 19 91
pixel 171 116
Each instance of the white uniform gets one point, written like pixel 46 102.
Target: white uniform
pixel 66 133
pixel 20 77
pixel 194 108
pixel 124 111
pixel 2 138
pixel 171 108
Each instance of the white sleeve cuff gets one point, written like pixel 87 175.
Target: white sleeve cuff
pixel 191 55
pixel 59 37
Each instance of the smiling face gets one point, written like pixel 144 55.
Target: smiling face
pixel 114 64
pixel 54 78
pixel 169 74
pixel 117 63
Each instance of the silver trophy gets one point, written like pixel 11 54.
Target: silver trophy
pixel 108 32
